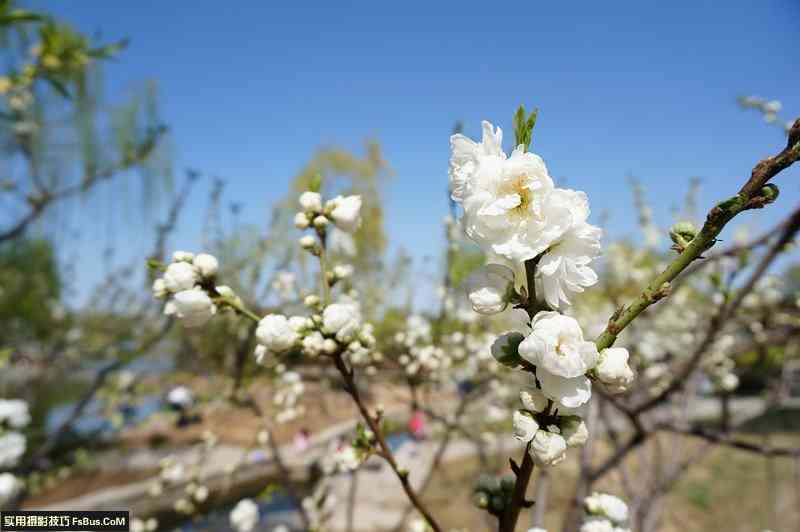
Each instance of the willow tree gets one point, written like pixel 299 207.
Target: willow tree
pixel 59 139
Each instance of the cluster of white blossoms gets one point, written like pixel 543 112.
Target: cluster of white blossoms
pixel 420 357
pixel 188 287
pixel 605 513
pixel 515 213
pixel 335 328
pixel 245 516
pixel 343 211
pixel 14 416
pixel 521 221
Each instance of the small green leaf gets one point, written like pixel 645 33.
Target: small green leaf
pixel 316 183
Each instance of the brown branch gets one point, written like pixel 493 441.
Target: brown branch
pixel 444 444
pixel 751 196
pixel 725 313
pixel 727 440
pixel 385 451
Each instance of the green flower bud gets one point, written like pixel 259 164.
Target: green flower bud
pixel 770 192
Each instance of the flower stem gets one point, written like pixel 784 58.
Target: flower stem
pixel 238 306
pixel 509 521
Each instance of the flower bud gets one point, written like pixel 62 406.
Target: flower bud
pixel 301 220
pixel 308 243
pixel 207 265
pixel 180 276
pixel 182 256
pixel 321 222
pixel 329 346
pixel 159 288
pixel 343 271
pixel 311 201
pixel 346 212
pixel 311 300
pixel 481 500
pixel 613 370
pixel 505 349
pixel 194 307
pixel 276 333
pixel 769 192
pixel 490 288
pixel 682 233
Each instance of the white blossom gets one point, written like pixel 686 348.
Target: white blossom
pixel 548 449
pixel 605 505
pixel 206 265
pixel 729 382
pixel 564 268
pixel 556 345
pixel 342 320
pixel 346 458
pixel 12 447
pixel 307 242
pixel 525 427
pixel 159 288
pixel 341 243
pixel 569 393
pixel 180 276
pixel 193 307
pixel 14 413
pixel 10 487
pixel 490 288
pixel 301 220
pixel 181 396
pixel 311 201
pixel 533 400
pixel 346 213
pixel 613 370
pixel 321 222
pixel 244 516
pixel 276 334
pixel 314 344
pixel 574 431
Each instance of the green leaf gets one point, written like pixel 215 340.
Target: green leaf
pixel 523 126
pixel 316 183
pixel 104 52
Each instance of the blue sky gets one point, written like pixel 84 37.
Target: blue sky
pixel 625 88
